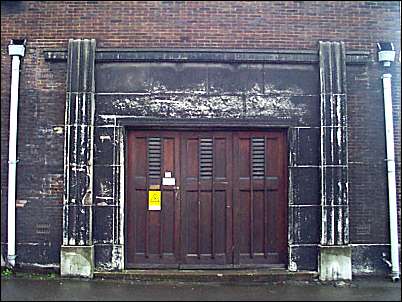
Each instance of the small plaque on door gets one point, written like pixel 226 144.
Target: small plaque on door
pixel 154 200
pixel 168 180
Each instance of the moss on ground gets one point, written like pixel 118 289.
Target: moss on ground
pixel 8 273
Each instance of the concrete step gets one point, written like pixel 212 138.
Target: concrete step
pixel 256 275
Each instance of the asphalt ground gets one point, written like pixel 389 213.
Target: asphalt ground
pixel 36 288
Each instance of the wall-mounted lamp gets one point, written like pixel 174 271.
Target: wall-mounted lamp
pixel 386 53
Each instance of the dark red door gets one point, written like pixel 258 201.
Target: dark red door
pixel 206 159
pixel 227 207
pixel 153 238
pixel 260 198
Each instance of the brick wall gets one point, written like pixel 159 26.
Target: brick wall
pixel 229 24
pixel 193 24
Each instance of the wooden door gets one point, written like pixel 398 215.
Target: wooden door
pixel 227 207
pixel 153 238
pixel 206 195
pixel 260 199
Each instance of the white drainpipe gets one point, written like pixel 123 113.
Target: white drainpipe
pixel 16 51
pixel 393 216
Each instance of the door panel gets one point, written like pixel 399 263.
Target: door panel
pixel 226 209
pixel 206 199
pixel 259 199
pixel 152 236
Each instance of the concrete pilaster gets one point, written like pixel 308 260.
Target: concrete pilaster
pixel 335 256
pixel 77 256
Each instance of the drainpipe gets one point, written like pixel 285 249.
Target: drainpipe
pixel 16 49
pixel 386 55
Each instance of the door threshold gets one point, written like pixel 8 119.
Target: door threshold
pixel 215 275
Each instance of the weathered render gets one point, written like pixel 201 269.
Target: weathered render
pixel 290 95
pixel 77 252
pixel 335 251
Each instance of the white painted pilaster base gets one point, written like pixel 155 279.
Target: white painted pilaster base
pixel 77 261
pixel 335 263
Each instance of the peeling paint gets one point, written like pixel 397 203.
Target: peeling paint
pixel 271 89
pixel 76 168
pixel 159 88
pixel 79 120
pixel 87 199
pixel 276 103
pixel 279 106
pixel 58 130
pixel 195 102
pixel 106 188
pixel 292 266
pixel 122 194
pixel 104 137
pixel 48 265
pixel 202 100
pixel 362 268
pixel 334 166
pixel 117 257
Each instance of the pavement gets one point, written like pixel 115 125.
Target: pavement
pixel 54 288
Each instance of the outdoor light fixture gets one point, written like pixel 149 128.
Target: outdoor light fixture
pixel 386 53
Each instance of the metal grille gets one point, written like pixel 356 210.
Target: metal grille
pixel 206 160
pixel 43 228
pixel 258 157
pixel 154 157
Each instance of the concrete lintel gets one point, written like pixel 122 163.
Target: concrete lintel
pixel 77 261
pixel 208 55
pixel 335 263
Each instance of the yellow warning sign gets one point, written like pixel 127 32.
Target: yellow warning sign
pixel 154 200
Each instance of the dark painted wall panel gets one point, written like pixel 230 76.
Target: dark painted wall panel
pixel 304 144
pixel 278 110
pixel 235 78
pixel 104 145
pixel 306 224
pixel 114 77
pixel 103 184
pixel 305 186
pixel 306 257
pixel 103 220
pixel 103 255
pixel 222 92
pixel 178 78
pixel 294 79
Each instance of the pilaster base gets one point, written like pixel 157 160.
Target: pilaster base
pixel 335 263
pixel 77 261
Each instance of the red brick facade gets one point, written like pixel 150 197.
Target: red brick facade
pixel 217 24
